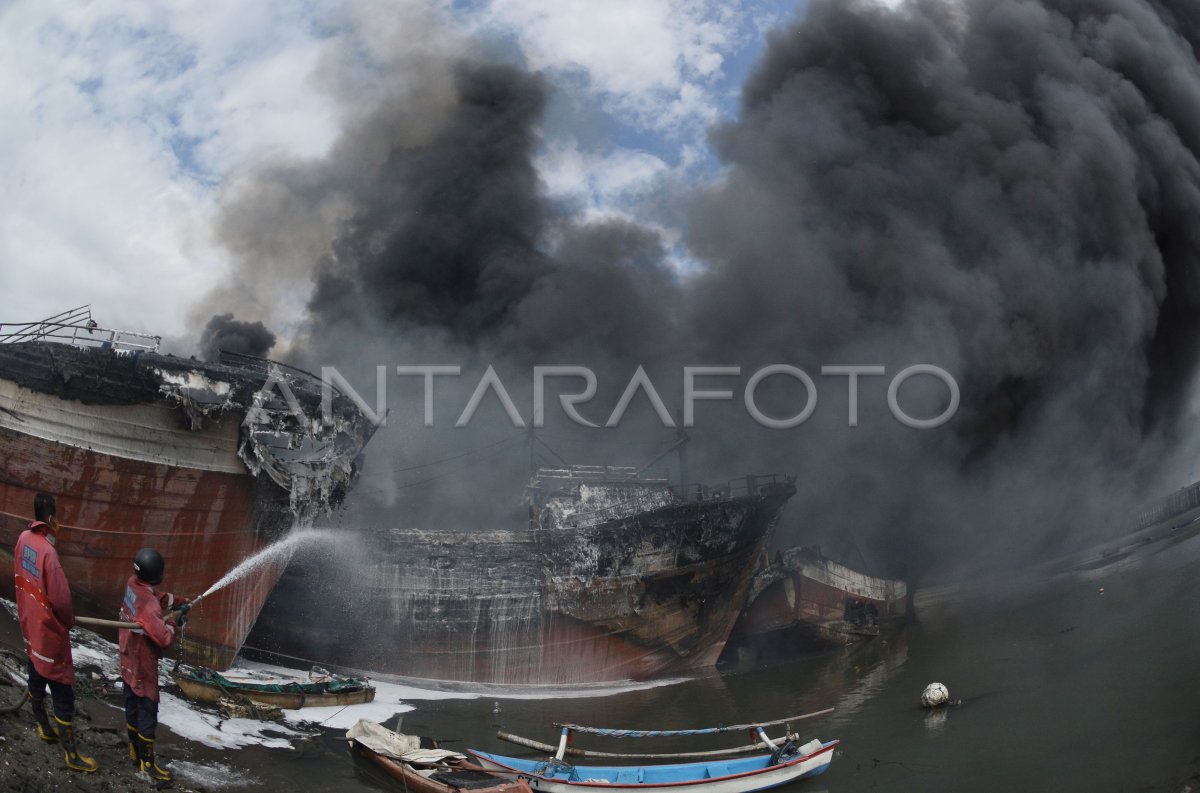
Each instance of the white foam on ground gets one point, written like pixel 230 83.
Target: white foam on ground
pixel 212 776
pixel 214 730
pixel 89 649
pixel 343 717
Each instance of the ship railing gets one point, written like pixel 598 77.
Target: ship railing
pixel 749 485
pixel 602 473
pixel 262 367
pixel 1181 501
pixel 77 328
pixel 756 484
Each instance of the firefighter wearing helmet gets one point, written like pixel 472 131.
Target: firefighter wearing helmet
pixel 141 650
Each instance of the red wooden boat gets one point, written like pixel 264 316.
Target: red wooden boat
pixel 207 462
pixel 418 766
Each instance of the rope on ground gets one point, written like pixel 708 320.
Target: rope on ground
pixel 17 705
pixel 10 676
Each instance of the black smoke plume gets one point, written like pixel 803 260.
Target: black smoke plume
pixel 446 234
pixel 1004 188
pixel 224 333
pixel 1007 187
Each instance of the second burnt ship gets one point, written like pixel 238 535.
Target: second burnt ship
pixel 617 576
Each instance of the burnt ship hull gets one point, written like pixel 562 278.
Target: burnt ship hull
pixel 628 598
pixel 110 507
pixel 132 464
pixel 805 602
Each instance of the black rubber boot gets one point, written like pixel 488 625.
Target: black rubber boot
pixel 75 761
pixel 135 758
pixel 41 720
pixel 149 765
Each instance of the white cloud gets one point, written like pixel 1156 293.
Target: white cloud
pixel 120 119
pixel 598 181
pixel 656 68
pixel 655 63
pixel 624 46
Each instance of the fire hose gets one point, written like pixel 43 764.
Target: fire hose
pixel 96 622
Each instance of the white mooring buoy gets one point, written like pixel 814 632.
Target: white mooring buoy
pixel 935 695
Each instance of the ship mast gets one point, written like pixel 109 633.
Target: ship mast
pixel 679 446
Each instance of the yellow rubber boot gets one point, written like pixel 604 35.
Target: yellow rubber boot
pixel 44 730
pixel 132 734
pixel 75 761
pixel 149 765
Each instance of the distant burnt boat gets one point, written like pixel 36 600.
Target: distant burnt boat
pixel 802 601
pixel 142 449
pixel 619 576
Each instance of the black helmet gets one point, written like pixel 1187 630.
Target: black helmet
pixel 148 564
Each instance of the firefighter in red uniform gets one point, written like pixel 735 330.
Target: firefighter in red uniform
pixel 141 650
pixel 45 613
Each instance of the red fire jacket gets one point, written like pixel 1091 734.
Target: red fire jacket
pixel 44 604
pixel 141 649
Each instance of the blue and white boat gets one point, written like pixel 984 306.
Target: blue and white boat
pixel 787 762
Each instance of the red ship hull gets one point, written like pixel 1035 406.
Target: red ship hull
pixel 203 522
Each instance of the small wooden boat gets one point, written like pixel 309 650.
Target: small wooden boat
pixel 423 768
pixel 787 762
pixel 206 685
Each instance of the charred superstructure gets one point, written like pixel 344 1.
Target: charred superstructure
pixel 207 462
pixel 617 576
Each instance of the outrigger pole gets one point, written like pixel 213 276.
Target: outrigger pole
pixel 611 733
pixel 756 729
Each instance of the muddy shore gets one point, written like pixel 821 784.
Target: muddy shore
pixel 205 751
pixel 29 765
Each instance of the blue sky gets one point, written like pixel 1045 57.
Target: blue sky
pixel 127 123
